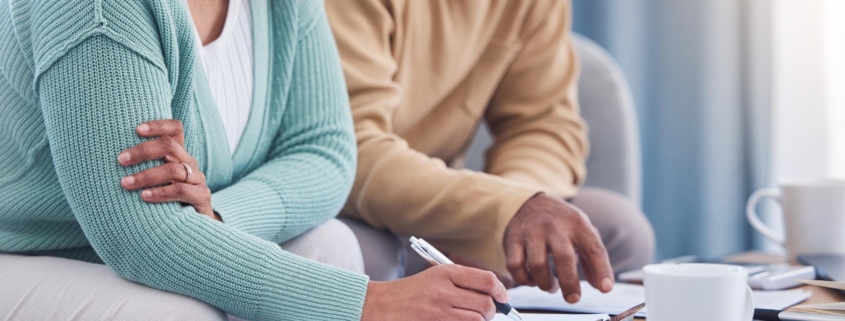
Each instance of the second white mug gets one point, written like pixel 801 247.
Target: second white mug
pixel 813 214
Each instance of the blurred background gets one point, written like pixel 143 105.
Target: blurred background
pixel 731 96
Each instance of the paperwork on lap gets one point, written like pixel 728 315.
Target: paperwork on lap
pixel 555 317
pixel 625 296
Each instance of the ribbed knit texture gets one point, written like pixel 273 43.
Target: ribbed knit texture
pixel 76 78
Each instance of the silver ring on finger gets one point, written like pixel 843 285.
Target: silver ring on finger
pixel 190 172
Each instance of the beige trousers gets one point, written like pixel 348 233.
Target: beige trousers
pixel 49 288
pixel 624 229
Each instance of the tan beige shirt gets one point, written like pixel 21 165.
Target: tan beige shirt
pixel 421 74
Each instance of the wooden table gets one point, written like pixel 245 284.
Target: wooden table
pixel 820 295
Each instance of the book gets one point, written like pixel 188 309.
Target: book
pixel 824 308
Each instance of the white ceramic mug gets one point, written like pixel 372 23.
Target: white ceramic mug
pixel 813 216
pixel 697 292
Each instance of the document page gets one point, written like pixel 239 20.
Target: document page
pixel 626 296
pixel 555 317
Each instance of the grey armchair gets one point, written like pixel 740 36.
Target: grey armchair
pixel 608 107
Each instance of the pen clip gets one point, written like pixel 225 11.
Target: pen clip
pixel 422 252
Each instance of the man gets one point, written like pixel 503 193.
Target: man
pixel 420 76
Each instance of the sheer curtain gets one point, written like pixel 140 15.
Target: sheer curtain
pixel 701 79
pixel 809 88
pixel 808 92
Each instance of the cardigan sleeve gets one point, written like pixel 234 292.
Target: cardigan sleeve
pixel 91 99
pixel 311 164
pixel 541 139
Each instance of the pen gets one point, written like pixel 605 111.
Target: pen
pixel 433 256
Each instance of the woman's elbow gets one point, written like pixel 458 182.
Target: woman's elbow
pixel 123 261
pixel 348 155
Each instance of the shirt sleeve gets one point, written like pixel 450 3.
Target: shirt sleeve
pixel 91 99
pixel 540 137
pixel 311 165
pixel 396 187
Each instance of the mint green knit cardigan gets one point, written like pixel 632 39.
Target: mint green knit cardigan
pixel 77 77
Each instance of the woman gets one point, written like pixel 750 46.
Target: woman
pixel 130 138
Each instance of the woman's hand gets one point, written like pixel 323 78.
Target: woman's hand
pixel 505 278
pixel 445 292
pixel 178 179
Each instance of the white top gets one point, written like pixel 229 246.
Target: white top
pixel 227 62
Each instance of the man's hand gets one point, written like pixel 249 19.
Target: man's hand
pixel 546 226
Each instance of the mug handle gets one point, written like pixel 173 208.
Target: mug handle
pixel 748 314
pixel 751 213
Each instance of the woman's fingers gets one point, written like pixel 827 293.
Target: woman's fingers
pixel 479 281
pixel 156 149
pixel 160 175
pixel 180 175
pixel 198 196
pixel 505 278
pixel 481 305
pixel 467 315
pixel 162 127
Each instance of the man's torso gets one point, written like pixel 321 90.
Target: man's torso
pixel 451 56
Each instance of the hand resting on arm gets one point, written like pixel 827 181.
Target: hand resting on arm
pixel 171 181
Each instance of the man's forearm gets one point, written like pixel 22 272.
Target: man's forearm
pixel 409 193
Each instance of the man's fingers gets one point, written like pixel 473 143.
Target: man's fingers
pixel 480 304
pixel 155 149
pixel 538 264
pixel 479 281
pixel 586 272
pixel 161 175
pixel 592 250
pixel 516 263
pixel 567 270
pixel 162 127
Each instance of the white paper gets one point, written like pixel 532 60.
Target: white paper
pixel 626 296
pixel 554 317
pixel 623 297
pixel 779 300
pixel 635 276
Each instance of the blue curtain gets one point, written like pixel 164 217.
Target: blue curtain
pixel 703 153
